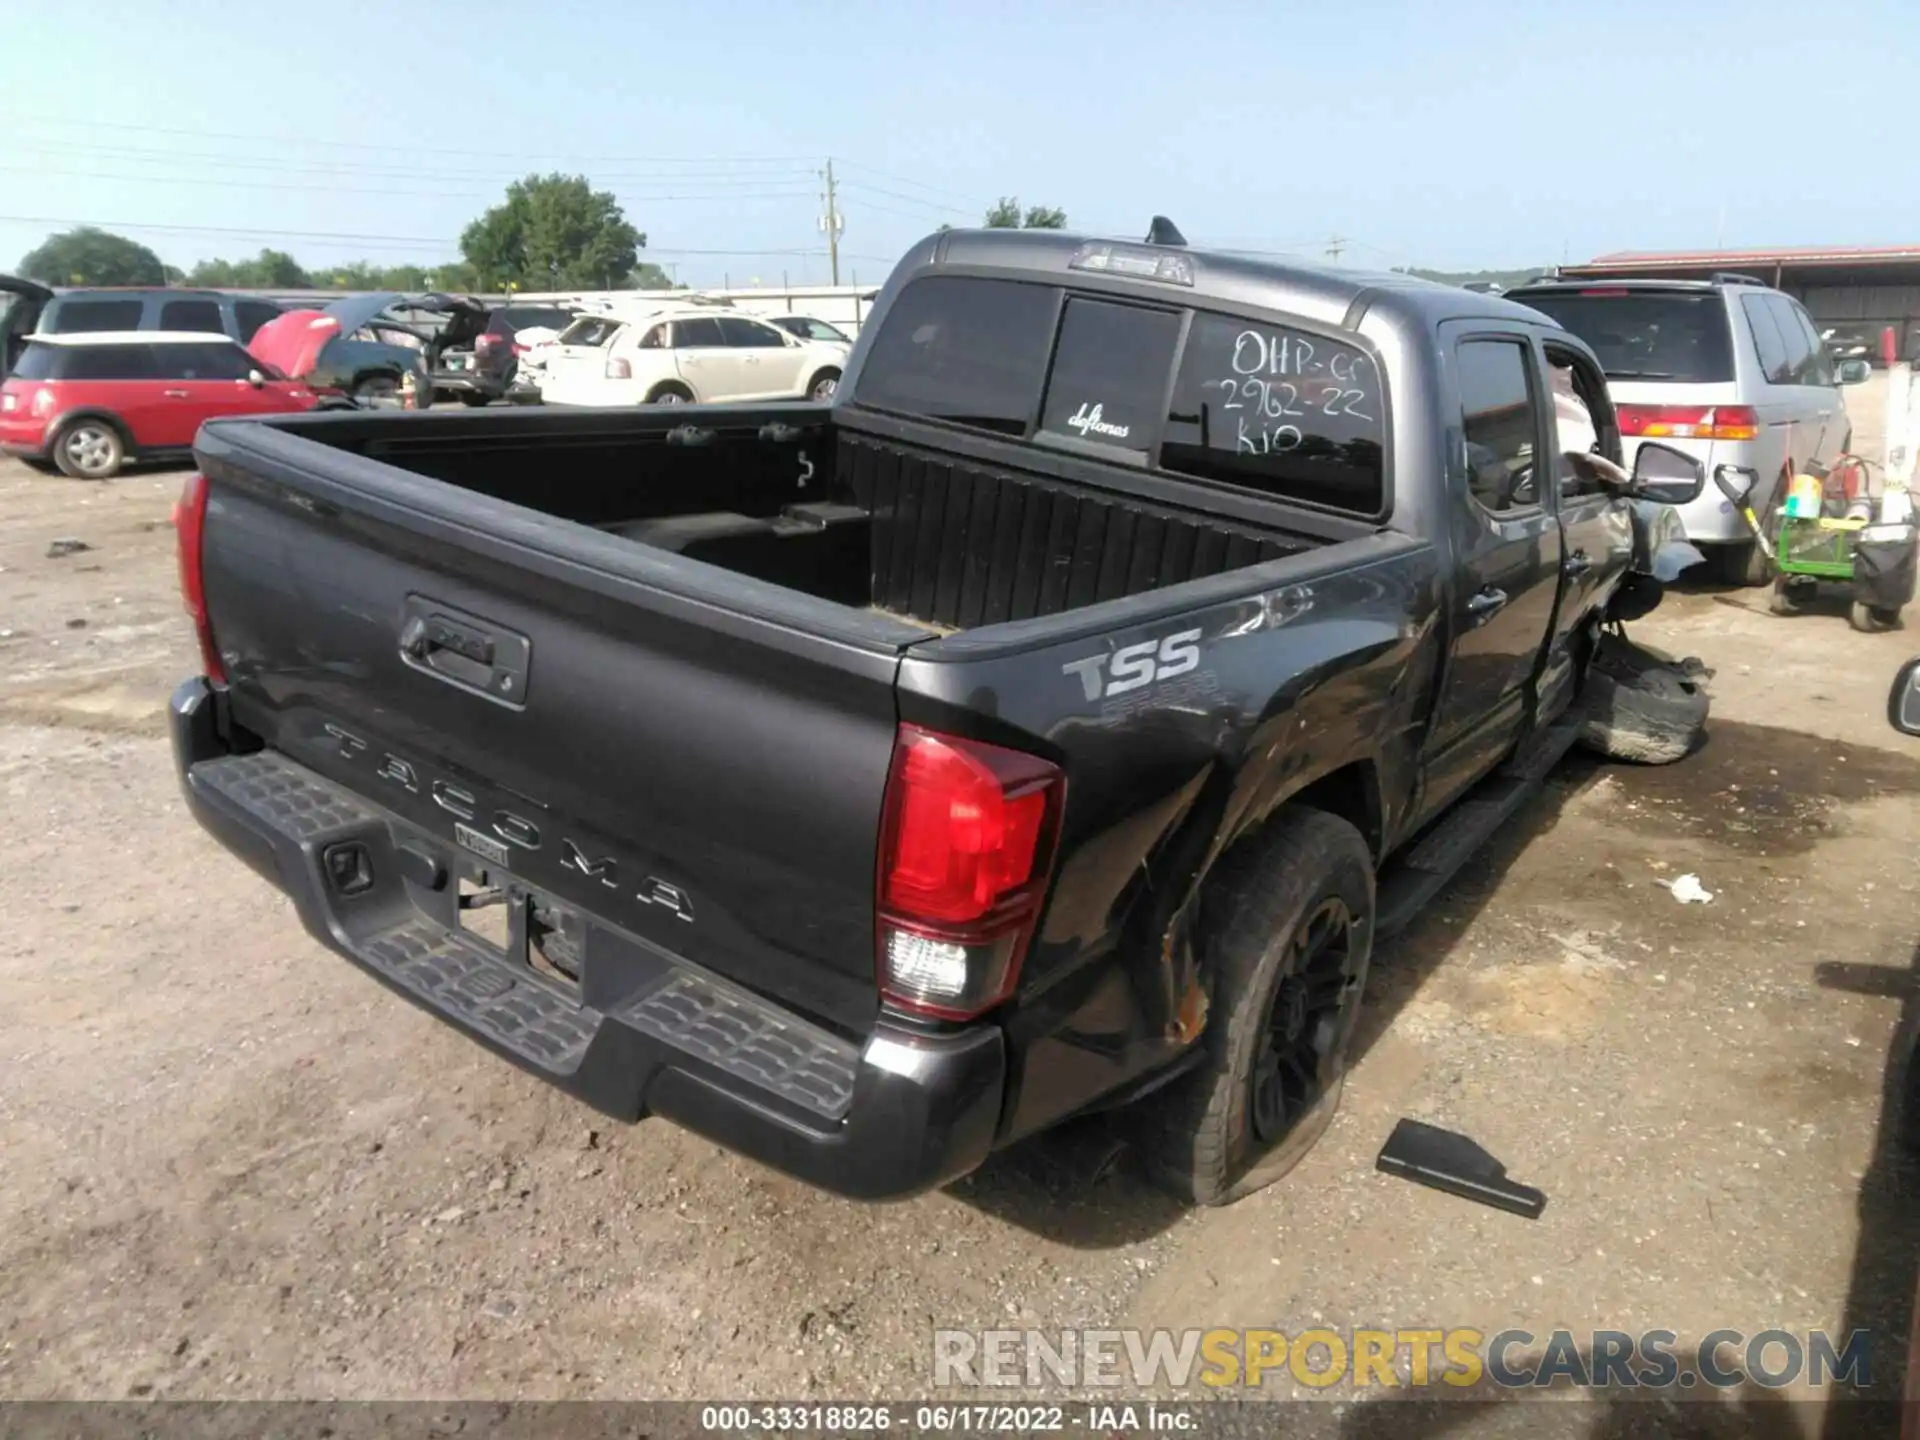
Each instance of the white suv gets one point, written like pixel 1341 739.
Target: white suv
pixel 675 357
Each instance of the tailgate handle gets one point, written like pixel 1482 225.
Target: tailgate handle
pixel 689 435
pixel 465 650
pixel 424 635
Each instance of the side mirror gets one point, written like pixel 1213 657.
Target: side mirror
pixel 1903 705
pixel 1667 476
pixel 1853 372
pixel 256 379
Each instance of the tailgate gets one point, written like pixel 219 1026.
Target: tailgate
pixel 703 771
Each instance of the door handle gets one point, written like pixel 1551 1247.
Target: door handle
pixel 174 394
pixel 1484 605
pixel 1578 563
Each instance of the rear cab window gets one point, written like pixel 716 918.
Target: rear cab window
pixel 1280 411
pixel 1680 336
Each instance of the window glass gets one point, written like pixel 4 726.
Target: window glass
pixel 1270 408
pixel 526 317
pixel 38 362
pixel 1110 372
pixel 251 315
pixel 202 362
pixel 1819 367
pixel 191 315
pixel 749 334
pixel 1574 430
pixel 75 317
pixel 654 339
pixel 1499 417
pixel 699 333
pixel 1799 343
pixel 969 351
pixel 1647 334
pixel 109 362
pixel 1768 346
pixel 587 330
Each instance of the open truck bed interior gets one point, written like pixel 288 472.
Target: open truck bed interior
pixel 786 495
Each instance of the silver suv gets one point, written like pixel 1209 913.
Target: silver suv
pixel 1727 369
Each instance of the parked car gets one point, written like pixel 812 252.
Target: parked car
pixel 1729 370
pixel 805 327
pixel 39 309
pixel 90 402
pixel 363 347
pixel 1049 723
pixel 512 331
pixel 684 354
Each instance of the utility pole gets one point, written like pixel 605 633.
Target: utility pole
pixel 832 222
pixel 1335 246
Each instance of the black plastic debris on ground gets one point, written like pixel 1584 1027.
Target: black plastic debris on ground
pixel 1442 1160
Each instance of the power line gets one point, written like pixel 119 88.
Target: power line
pixel 257 139
pixel 504 174
pixel 256 233
pixel 906 199
pixel 238 183
pixel 899 179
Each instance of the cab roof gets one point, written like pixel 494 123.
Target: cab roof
pixel 1217 277
pixel 135 337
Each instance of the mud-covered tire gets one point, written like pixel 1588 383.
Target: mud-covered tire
pixel 1640 708
pixel 1215 1134
pixel 1872 619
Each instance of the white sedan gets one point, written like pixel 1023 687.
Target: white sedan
pixel 684 356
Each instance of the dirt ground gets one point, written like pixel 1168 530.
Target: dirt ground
pixel 236 1167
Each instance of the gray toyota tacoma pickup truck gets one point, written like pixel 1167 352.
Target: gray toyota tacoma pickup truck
pixel 1052 722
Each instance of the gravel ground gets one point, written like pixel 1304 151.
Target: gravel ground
pixel 235 1167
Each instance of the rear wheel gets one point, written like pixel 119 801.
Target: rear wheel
pixel 822 386
pixel 1289 927
pixel 670 392
pixel 89 449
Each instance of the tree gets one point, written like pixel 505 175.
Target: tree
pixel 269 270
pixel 1007 216
pixel 554 232
pixel 88 256
pixel 648 276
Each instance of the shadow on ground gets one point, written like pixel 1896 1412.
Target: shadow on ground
pixel 1763 792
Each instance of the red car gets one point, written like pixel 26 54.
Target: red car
pixel 90 402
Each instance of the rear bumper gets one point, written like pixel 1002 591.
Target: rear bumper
pixel 24 438
pixel 647 1033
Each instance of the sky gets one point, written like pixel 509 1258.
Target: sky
pixel 1455 134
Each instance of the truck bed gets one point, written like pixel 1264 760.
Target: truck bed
pixel 781 495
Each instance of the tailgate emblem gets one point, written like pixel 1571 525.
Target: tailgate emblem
pixel 485 846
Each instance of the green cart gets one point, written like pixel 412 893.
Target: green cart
pixel 1874 561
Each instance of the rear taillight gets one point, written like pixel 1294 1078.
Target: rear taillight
pixel 486 344
pixel 520 349
pixel 966 845
pixel 190 525
pixel 43 403
pixel 1690 422
pixel 619 370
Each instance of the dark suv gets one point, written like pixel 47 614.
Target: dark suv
pixel 36 309
pixel 487 372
